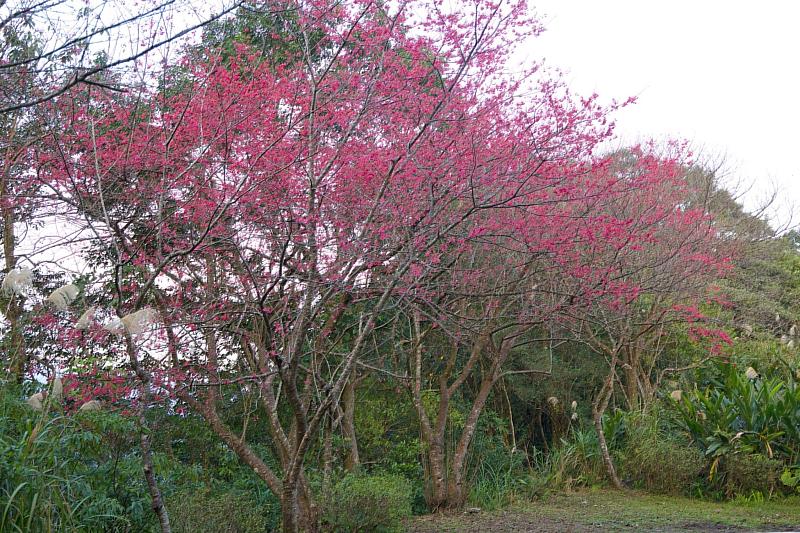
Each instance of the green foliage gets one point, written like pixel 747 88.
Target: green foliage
pixel 748 427
pixel 765 283
pixel 748 474
pixel 575 371
pixel 274 34
pixel 576 462
pixel 790 477
pixel 497 474
pixel 655 459
pixel 367 503
pixel 209 467
pixel 386 430
pixel 734 414
pixel 83 473
pixel 646 450
pixel 62 474
pixel 500 485
pixel 230 512
pixel 615 427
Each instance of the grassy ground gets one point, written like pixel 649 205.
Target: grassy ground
pixel 601 510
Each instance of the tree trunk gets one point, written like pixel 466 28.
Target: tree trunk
pixel 598 409
pixel 327 454
pixel 156 499
pixel 352 459
pixel 432 436
pixel 298 512
pixel 18 357
pixel 290 515
pixel 545 445
pixel 433 440
pixel 631 369
pixel 239 447
pixel 455 489
pixel 157 502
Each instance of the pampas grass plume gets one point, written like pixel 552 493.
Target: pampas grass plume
pixel 63 296
pixel 17 280
pixel 86 319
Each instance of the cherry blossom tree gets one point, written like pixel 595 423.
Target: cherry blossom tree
pixel 252 220
pixel 655 250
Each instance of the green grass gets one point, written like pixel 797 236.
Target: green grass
pixel 637 510
pixel 605 510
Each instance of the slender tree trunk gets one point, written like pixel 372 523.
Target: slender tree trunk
pixel 631 369
pixel 327 453
pixel 647 391
pixel 598 409
pixel 156 499
pixel 545 445
pixel 18 357
pixel 157 502
pixel 455 491
pixel 352 459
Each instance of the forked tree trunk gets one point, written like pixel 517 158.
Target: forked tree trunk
pixel 447 474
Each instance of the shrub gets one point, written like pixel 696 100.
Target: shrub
pixel 497 480
pixel 643 447
pixel 790 478
pixel 222 513
pixel 576 462
pixel 734 414
pixel 745 474
pixel 58 475
pixel 747 424
pixel 367 503
pixel 496 474
pixel 655 461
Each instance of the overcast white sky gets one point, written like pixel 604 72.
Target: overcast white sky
pixel 723 74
